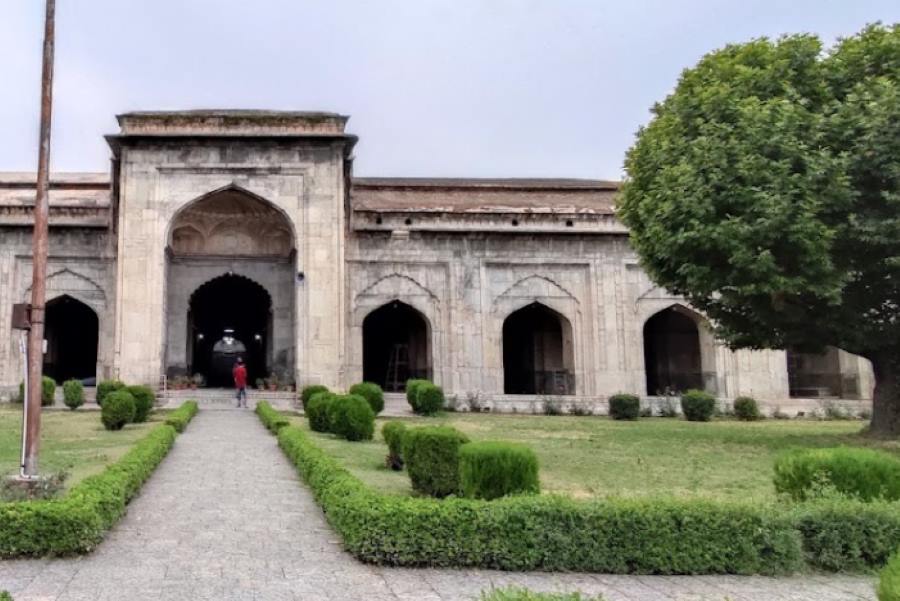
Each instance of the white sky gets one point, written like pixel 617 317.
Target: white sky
pixel 482 88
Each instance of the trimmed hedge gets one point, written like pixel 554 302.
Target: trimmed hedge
pixel 5 596
pixel 181 417
pixel 144 398
pixel 271 419
pixel 848 535
pixel 889 582
pixel 544 532
pixel 624 406
pixel 393 433
pixel 373 394
pixel 746 409
pixel 77 522
pixel 490 470
pixel 412 393
pixel 352 418
pixel 863 473
pixel 310 391
pixel 698 406
pixel 432 459
pixel 48 391
pixel 73 394
pixel 107 387
pixel 117 410
pixel 429 399
pixel 317 411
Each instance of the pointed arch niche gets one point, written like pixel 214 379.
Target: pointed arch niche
pixel 230 274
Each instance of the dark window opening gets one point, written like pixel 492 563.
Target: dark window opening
pixel 536 356
pixel 395 346
pixel 71 331
pixel 672 353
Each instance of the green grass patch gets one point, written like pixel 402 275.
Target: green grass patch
pixel 598 457
pixel 75 441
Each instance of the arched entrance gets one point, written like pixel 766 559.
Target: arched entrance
pixel 537 352
pixel 71 331
pixel 231 289
pixel 672 358
pixel 229 317
pixel 396 346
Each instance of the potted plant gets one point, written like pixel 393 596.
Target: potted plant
pixel 260 384
pixel 196 381
pixel 272 382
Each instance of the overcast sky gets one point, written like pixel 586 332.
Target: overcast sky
pixel 484 88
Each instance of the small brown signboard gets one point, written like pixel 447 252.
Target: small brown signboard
pixel 21 316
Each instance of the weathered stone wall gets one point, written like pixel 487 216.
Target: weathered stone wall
pixel 467 284
pixel 303 179
pixel 81 264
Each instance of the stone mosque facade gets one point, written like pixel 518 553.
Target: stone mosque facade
pixel 223 232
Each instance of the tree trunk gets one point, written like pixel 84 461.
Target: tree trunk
pixel 886 401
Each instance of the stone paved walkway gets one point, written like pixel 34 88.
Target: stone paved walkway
pixel 225 518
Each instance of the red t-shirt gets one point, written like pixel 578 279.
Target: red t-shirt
pixel 240 376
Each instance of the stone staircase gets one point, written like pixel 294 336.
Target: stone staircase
pixel 224 398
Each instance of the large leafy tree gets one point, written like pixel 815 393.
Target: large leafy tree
pixel 766 190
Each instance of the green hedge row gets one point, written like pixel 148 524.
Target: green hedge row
pixel 181 417
pixel 546 532
pixel 889 582
pixel 77 522
pixel 866 474
pixel 271 419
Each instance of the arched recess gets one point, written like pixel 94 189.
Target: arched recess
pixel 678 352
pixel 396 346
pixel 72 331
pixel 229 316
pixel 231 257
pixel 834 373
pixel 538 353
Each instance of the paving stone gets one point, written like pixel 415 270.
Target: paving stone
pixel 225 518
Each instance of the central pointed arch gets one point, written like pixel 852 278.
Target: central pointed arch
pixel 72 335
pixel 231 266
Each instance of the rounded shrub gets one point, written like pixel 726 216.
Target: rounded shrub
pixel 317 411
pixel 431 455
pixel 393 433
pixel 143 402
pixel 429 399
pixel 747 409
pixel 73 394
pixel 624 406
pixel 352 417
pixel 889 580
pixel 863 473
pixel 117 410
pixel 48 391
pixel 106 387
pixel 412 393
pixel 698 406
pixel 309 391
pixel 490 470
pixel 373 394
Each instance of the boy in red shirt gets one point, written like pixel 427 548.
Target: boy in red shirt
pixel 240 381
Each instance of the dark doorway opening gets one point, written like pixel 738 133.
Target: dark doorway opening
pixel 229 317
pixel 672 353
pixel 71 331
pixel 395 346
pixel 818 375
pixel 536 356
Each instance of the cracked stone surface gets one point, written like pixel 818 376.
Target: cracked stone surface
pixel 225 517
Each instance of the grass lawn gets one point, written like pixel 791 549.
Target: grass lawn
pixel 596 457
pixel 70 440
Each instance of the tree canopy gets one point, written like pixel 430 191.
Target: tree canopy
pixel 766 191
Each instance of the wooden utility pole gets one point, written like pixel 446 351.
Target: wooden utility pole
pixel 40 244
